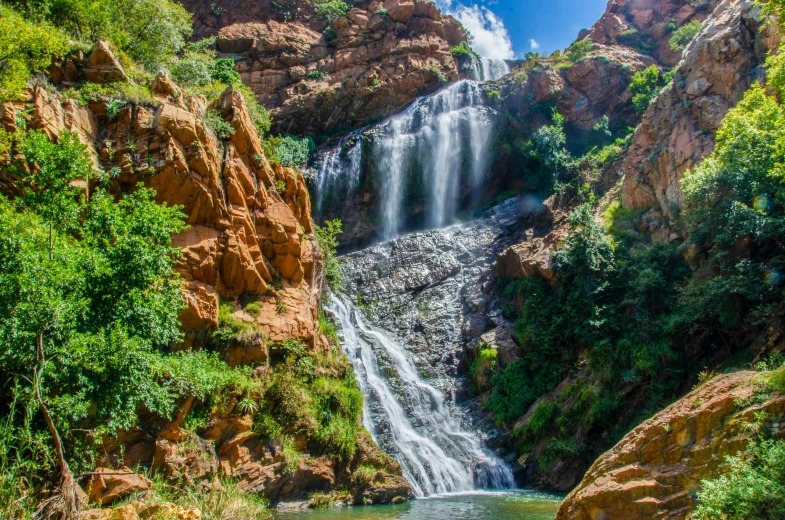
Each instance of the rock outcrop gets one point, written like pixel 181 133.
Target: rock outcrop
pixel 655 471
pixel 583 92
pixel 108 486
pixel 250 226
pixel 143 511
pixel 250 237
pixel 647 25
pixel 316 78
pixel 678 130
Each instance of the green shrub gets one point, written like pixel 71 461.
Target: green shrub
pixel 329 9
pixel 222 128
pixel 253 309
pixel 463 50
pixel 645 86
pixel 578 50
pixel 684 35
pixel 26 48
pixel 753 488
pixel 631 38
pixel 440 76
pixel 288 151
pixel 327 237
pixel 231 328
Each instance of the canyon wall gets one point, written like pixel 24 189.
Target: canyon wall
pixel 317 78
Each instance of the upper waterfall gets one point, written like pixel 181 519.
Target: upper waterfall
pixel 425 159
pixel 489 69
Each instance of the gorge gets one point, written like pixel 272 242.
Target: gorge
pixel 320 259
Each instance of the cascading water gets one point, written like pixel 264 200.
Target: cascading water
pixel 437 456
pixel 489 69
pixel 427 155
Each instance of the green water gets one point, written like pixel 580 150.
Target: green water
pixel 492 506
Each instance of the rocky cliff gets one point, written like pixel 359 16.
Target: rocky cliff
pixel 250 239
pixel 656 470
pixel 647 25
pixel 315 77
pixel 675 134
pixel 678 131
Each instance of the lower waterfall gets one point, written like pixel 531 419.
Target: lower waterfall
pixel 437 456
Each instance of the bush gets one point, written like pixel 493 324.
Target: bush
pixel 26 48
pixel 329 9
pixel 578 50
pixel 463 50
pixel 733 196
pixel 222 128
pixel 645 86
pixel 326 236
pixel 684 35
pixel 288 151
pixel 753 488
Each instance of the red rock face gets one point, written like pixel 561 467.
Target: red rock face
pixel 367 66
pixel 652 20
pixel 655 471
pixel 250 226
pixel 678 130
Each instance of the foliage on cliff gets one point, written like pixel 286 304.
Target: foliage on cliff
pixel 628 323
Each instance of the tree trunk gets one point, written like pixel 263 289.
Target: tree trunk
pixel 63 504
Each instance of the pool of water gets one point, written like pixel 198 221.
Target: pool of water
pixel 512 505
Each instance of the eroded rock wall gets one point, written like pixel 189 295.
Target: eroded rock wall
pixel 316 78
pixel 648 25
pixel 678 130
pixel 656 470
pixel 250 223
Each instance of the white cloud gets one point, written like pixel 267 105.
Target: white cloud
pixel 491 38
pixel 535 45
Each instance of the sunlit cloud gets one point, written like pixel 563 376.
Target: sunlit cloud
pixel 535 45
pixel 490 37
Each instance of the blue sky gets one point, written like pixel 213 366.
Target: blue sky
pixel 511 28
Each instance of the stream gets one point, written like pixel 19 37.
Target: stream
pixel 511 505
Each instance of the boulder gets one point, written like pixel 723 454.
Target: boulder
pixel 507 350
pixel 656 469
pixel 383 489
pixel 102 65
pixel 399 10
pixel 110 485
pixel 143 511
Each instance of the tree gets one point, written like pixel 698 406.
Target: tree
pixel 735 212
pixel 48 171
pixel 80 319
pixel 645 86
pixel 684 35
pixel 25 48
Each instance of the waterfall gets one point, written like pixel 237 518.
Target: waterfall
pixel 437 456
pixel 489 69
pixel 424 156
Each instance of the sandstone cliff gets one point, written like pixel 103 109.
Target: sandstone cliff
pixel 678 130
pixel 676 133
pixel 647 25
pixel 250 237
pixel 655 471
pixel 316 78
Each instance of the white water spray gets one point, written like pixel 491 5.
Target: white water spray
pixel 437 456
pixel 437 145
pixel 489 69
